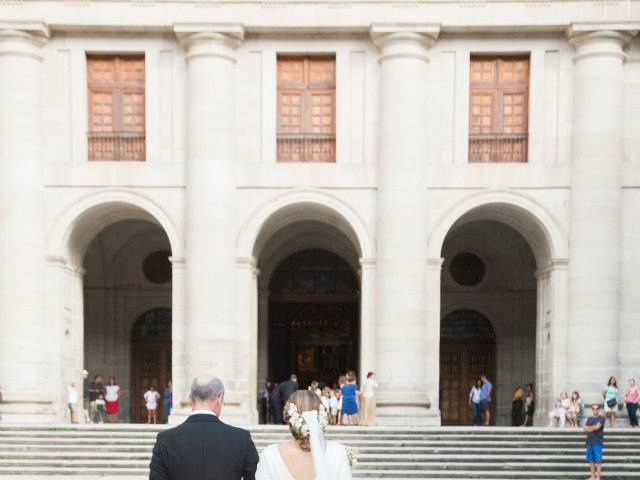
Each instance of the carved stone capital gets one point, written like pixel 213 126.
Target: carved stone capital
pixel 23 39
pixel 600 40
pixel 210 40
pixel 404 40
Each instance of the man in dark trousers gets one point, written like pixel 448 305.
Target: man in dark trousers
pixel 275 404
pixel 204 447
pixel 287 389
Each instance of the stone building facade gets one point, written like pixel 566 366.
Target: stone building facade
pixel 426 190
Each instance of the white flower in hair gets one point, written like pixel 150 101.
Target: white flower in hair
pixel 298 423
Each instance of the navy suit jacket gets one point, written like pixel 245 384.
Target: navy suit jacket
pixel 204 448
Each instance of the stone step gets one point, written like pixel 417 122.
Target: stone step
pixel 104 451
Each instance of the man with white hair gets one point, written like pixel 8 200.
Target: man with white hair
pixel 204 447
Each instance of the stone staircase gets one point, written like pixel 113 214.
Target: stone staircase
pixel 122 452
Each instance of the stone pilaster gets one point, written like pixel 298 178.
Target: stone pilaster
pixel 210 273
pixel 401 358
pixel 595 237
pixel 24 366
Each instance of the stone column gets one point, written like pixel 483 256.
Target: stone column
pixel 246 356
pixel 367 316
pixel 434 277
pixel 24 366
pixel 595 242
pixel 179 355
pixel 210 313
pixel 263 337
pixel 401 231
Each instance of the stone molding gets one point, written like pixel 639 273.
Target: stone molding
pixel 178 262
pixel 435 263
pixel 210 40
pixel 600 40
pixel 399 40
pixel 23 39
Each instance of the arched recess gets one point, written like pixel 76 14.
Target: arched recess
pixel 532 228
pixel 135 226
pixel 291 223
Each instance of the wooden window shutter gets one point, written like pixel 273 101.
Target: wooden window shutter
pixel 498 109
pixel 116 103
pixel 306 109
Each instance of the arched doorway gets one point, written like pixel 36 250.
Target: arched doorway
pixel 151 359
pixel 128 271
pixel 313 317
pixel 467 350
pixel 488 267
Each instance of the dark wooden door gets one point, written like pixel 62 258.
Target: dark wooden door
pixel 460 365
pixel 151 367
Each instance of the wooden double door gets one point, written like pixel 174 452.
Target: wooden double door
pixel 317 340
pixel 460 365
pixel 151 367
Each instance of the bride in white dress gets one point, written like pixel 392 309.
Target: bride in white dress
pixel 307 456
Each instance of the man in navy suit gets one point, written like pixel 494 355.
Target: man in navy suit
pixel 203 447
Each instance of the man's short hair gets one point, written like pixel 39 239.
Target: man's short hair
pixel 206 388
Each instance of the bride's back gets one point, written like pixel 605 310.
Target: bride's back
pixel 298 462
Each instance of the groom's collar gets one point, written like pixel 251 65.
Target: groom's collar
pixel 199 416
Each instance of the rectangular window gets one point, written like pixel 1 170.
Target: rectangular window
pixel 499 109
pixel 115 85
pixel 306 109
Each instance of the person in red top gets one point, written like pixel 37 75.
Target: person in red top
pixel 631 398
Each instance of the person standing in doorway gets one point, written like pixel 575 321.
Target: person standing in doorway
pixel 350 394
pixel 100 408
pixel 475 402
pixel 167 400
pixel 631 398
pixel 610 395
pixel 517 407
pixel 96 388
pixel 529 406
pixel 151 398
pixel 275 403
pixel 72 401
pixel 287 389
pixel 85 396
pixel 595 441
pixel 487 388
pixel 369 387
pixel 111 397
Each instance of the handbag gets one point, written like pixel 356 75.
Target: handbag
pixel 612 402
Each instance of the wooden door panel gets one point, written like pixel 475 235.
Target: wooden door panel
pixel 460 366
pixel 151 367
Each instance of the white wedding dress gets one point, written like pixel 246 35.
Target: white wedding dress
pixel 272 466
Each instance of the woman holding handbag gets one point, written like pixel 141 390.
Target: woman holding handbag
pixel 610 394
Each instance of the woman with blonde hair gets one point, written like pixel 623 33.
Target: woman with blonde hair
pixel 307 456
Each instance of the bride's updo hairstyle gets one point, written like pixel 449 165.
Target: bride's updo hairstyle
pixel 304 401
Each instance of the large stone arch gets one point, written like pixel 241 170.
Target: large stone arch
pixel 83 218
pixel 298 205
pixel 547 239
